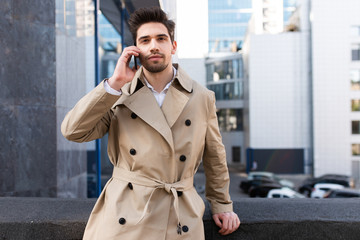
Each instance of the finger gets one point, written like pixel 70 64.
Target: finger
pixel 217 221
pixel 225 224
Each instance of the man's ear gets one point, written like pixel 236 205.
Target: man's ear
pixel 174 47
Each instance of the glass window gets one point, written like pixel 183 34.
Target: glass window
pixel 355 149
pixel 355 52
pixel 236 154
pixel 230 120
pixel 355 79
pixel 355 105
pixel 355 127
pixel 227 91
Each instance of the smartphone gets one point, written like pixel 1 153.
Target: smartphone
pixel 135 62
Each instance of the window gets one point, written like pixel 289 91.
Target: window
pixel 236 154
pixel 355 105
pixel 355 149
pixel 355 126
pixel 230 120
pixel 355 52
pixel 355 79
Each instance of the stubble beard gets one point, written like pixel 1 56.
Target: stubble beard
pixel 154 67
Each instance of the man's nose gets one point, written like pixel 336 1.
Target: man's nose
pixel 154 45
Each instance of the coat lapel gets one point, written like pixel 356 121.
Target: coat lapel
pixel 177 96
pixel 173 105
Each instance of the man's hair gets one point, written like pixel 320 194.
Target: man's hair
pixel 146 15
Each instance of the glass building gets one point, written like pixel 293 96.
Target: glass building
pixel 228 21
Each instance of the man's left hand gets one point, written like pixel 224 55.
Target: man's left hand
pixel 228 222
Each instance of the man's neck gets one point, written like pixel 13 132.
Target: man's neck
pixel 159 80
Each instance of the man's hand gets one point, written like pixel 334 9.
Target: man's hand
pixel 228 222
pixel 123 73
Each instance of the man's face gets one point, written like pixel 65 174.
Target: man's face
pixel 155 45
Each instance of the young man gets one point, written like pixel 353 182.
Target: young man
pixel 161 124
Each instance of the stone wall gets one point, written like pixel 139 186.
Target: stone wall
pixel 35 69
pixel 44 218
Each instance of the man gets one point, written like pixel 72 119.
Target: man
pixel 161 124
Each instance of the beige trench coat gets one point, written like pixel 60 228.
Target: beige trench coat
pixel 155 152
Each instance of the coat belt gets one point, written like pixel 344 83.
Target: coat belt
pixel 171 188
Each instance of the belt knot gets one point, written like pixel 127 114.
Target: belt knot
pixel 168 187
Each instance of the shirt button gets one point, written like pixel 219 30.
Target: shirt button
pixel 122 221
pixel 188 122
pixel 130 185
pixel 182 158
pixel 132 151
pixel 133 115
pixel 185 228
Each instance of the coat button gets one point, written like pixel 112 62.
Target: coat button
pixel 185 228
pixel 182 158
pixel 122 221
pixel 130 185
pixel 188 122
pixel 133 115
pixel 132 151
pixel 179 193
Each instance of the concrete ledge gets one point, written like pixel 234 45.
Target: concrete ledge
pixel 51 218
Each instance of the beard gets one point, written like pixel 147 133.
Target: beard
pixel 153 67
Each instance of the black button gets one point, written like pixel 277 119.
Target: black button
pixel 179 193
pixel 133 115
pixel 182 158
pixel 130 185
pixel 122 221
pixel 187 122
pixel 185 228
pixel 132 151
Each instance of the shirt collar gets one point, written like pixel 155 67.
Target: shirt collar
pixel 167 85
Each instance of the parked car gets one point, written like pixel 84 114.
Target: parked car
pixel 272 176
pixel 263 190
pixel 284 193
pixel 247 184
pixel 308 185
pixel 342 193
pixel 321 188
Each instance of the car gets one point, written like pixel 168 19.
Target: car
pixel 308 185
pixel 272 176
pixel 321 188
pixel 247 184
pixel 284 193
pixel 342 193
pixel 263 190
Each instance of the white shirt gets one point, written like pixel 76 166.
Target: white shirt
pixel 158 96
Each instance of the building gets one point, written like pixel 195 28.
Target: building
pixel 302 91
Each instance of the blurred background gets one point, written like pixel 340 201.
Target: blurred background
pixel 286 74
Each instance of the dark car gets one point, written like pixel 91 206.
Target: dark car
pixel 247 184
pixel 308 184
pixel 343 193
pixel 263 190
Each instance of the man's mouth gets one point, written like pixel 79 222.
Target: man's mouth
pixel 155 57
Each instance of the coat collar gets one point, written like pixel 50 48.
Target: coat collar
pixel 140 100
pixel 181 76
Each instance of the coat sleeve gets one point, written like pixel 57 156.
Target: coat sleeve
pixel 214 161
pixel 91 116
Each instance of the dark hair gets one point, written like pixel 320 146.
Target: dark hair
pixel 146 15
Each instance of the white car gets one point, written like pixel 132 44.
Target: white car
pixel 320 189
pixel 284 193
pixel 270 175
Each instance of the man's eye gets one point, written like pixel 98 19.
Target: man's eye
pixel 144 40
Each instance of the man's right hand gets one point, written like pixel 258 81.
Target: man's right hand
pixel 123 73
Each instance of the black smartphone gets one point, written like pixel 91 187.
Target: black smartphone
pixel 135 62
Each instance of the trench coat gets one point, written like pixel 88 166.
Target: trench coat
pixel 155 152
